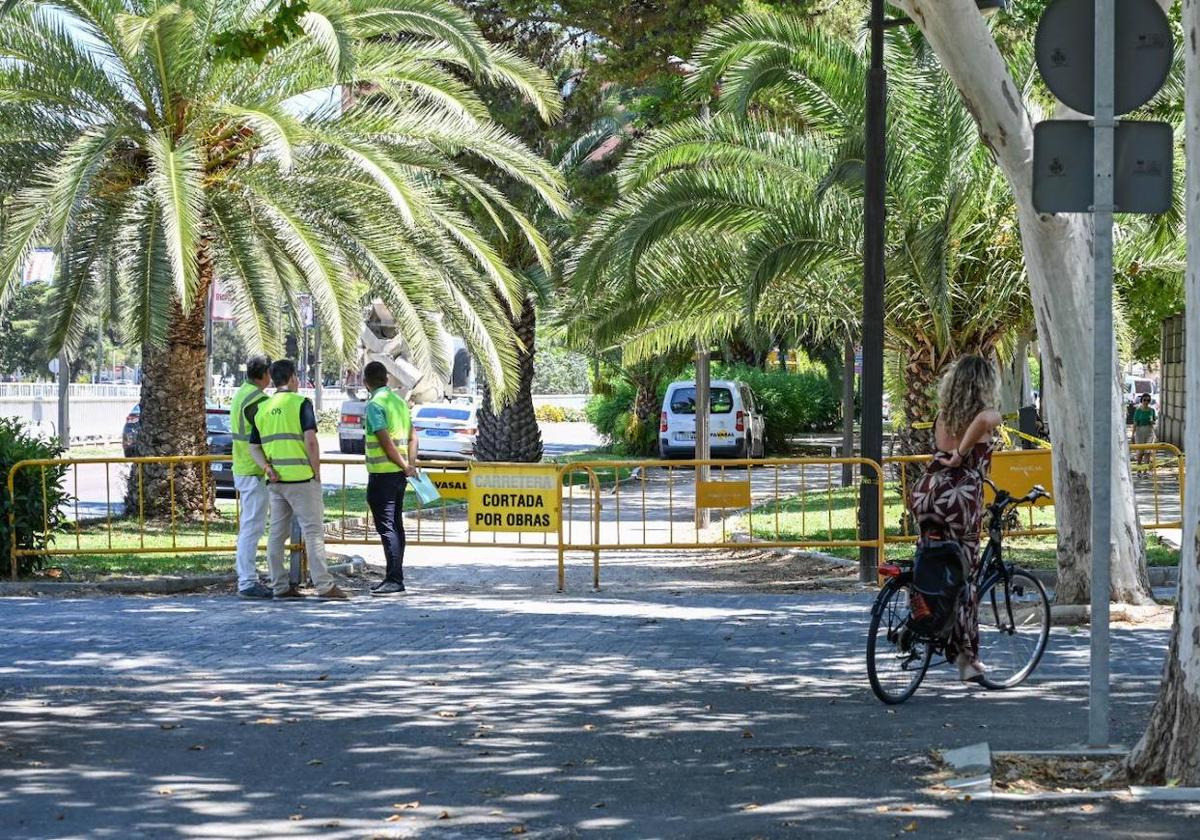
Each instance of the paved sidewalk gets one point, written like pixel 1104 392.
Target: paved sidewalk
pixel 698 715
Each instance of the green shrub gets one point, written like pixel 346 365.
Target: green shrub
pixel 559 371
pixel 35 524
pixel 328 419
pixel 612 415
pixel 791 403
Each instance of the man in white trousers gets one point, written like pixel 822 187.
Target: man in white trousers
pixel 249 478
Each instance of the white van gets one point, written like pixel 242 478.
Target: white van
pixel 736 427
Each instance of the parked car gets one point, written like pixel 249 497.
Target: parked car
pixel 220 441
pixel 351 440
pixel 445 430
pixel 736 428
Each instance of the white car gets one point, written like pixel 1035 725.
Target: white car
pixel 351 440
pixel 736 428
pixel 445 430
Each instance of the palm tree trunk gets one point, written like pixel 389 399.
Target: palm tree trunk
pixel 512 433
pixel 921 370
pixel 172 418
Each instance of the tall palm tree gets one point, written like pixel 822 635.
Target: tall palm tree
pixel 322 147
pixel 751 220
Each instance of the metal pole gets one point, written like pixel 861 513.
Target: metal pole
pixel 848 412
pixel 208 342
pixel 64 400
pixel 873 288
pixel 1102 374
pixel 317 364
pixel 703 407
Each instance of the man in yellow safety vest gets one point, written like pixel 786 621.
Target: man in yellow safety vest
pixel 283 442
pixel 388 426
pixel 248 478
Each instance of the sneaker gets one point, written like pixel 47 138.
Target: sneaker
pixel 289 594
pixel 389 587
pixel 333 594
pixel 378 584
pixel 256 591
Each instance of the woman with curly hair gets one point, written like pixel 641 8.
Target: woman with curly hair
pixel 947 501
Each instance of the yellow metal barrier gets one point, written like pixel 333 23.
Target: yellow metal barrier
pixel 764 503
pixel 600 506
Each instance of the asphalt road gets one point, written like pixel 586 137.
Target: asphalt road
pixel 471 715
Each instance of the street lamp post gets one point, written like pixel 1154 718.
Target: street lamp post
pixel 874 275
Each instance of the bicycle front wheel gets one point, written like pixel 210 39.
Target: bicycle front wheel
pixel 896 658
pixel 1014 626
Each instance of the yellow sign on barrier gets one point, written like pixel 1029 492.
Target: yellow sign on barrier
pixel 451 485
pixel 1019 470
pixel 506 497
pixel 723 494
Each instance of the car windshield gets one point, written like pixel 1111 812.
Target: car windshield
pixel 218 423
pixel 683 401
pixel 443 413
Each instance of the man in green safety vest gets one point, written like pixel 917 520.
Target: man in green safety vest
pixel 248 478
pixel 283 442
pixel 388 426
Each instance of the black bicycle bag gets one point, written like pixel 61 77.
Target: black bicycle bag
pixel 940 573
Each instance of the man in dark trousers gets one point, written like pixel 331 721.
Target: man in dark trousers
pixel 388 426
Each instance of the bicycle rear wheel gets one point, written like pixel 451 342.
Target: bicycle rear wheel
pixel 896 659
pixel 1014 627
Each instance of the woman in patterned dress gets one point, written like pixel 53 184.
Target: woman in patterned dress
pixel 947 501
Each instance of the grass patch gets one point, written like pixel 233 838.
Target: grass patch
pixel 832 515
pixel 607 476
pixel 162 539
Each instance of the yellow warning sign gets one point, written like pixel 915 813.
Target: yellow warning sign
pixel 1019 470
pixel 511 498
pixel 723 494
pixel 451 485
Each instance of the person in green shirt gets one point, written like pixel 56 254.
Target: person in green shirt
pixel 391 449
pixel 1144 419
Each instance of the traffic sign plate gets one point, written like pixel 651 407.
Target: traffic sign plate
pixel 1065 47
pixel 1063 167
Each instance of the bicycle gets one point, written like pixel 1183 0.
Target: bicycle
pixel 1014 618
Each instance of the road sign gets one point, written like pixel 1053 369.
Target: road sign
pixel 450 485
pixel 512 498
pixel 53 366
pixel 1063 167
pixel 1066 52
pixel 726 495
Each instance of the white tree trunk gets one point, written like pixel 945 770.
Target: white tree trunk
pixel 1058 259
pixel 1170 749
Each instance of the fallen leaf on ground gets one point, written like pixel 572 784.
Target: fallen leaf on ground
pixel 165 791
pixel 339 784
pixel 912 826
pixel 598 805
pixel 746 733
pixel 394 818
pixel 315 762
pixel 517 829
pixel 589 727
pixel 168 726
pixel 881 809
pixel 267 721
pixel 323 677
pixel 197 747
pixel 331 824
pixel 445 815
pixel 296 817
pixel 407 806
pixel 1087 809
pixel 446 713
pixel 753 806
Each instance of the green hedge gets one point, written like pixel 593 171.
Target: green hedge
pixel 792 403
pixel 16 444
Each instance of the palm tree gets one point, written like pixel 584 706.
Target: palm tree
pixel 322 147
pixel 750 221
